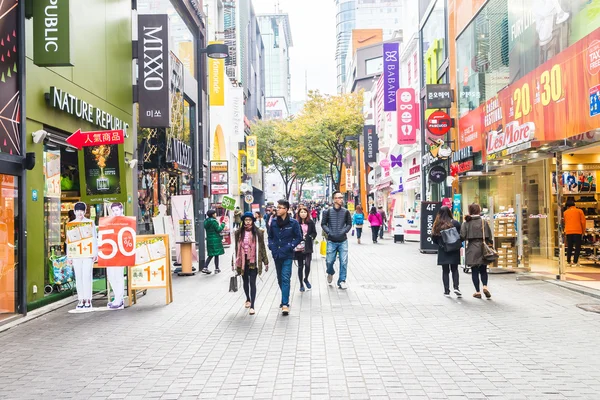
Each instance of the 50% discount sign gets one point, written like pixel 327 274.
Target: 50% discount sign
pixel 116 241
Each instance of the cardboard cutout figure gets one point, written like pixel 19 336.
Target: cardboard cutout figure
pixel 115 274
pixel 82 250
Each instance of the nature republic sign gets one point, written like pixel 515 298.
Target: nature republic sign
pixel 51 33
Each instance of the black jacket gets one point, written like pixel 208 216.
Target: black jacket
pixel 444 257
pixel 309 239
pixel 336 224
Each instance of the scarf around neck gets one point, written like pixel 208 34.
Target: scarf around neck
pixel 246 249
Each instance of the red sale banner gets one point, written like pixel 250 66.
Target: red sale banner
pixel 407 109
pixel 116 241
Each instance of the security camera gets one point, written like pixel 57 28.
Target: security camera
pixel 39 136
pixel 132 163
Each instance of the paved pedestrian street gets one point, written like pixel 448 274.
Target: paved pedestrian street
pixel 392 334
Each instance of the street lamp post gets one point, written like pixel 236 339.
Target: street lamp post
pixel 217 51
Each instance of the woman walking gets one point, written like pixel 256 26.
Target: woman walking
pixel 260 221
pixel 448 259
pixel 250 255
pixel 376 221
pixel 358 219
pixel 472 231
pixel 304 250
pixel 214 241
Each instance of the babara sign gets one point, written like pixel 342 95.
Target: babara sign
pixel 97 138
pixel 391 69
pixel 408 116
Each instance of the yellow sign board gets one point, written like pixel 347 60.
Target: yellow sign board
pixel 251 155
pixel 216 81
pixel 152 268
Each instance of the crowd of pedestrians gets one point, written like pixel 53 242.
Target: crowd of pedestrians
pixel 290 233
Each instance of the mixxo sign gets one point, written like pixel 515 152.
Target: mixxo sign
pixel 153 71
pixel 51 33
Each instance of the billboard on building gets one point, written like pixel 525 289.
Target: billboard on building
pixel 276 108
pixel 216 80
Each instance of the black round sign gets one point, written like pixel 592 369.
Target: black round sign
pixel 438 174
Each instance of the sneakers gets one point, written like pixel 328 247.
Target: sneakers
pixel 285 310
pixel 252 312
pixel 329 278
pixel 217 270
pixel 457 293
pixel 79 306
pixel 87 304
pixel 302 288
pixel 342 285
pixel 206 271
pixel 114 306
pixel 447 294
pixel 308 285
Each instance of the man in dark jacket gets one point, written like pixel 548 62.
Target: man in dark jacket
pixel 381 212
pixel 336 223
pixel 284 236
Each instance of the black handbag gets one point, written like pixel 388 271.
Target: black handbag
pixel 233 284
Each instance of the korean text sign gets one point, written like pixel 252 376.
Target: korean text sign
pixel 152 268
pixel 251 154
pixel 116 241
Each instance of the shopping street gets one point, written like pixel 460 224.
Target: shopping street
pixel 392 334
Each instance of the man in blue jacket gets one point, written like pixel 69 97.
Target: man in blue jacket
pixel 284 236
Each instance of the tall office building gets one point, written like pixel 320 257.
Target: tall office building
pixel 362 14
pixel 277 38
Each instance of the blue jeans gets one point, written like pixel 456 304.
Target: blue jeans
pixel 284 274
pixel 340 248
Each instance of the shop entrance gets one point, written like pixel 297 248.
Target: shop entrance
pixel 9 239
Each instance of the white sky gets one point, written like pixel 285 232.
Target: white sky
pixel 313 33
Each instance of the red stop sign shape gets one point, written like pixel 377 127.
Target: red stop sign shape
pixel 439 123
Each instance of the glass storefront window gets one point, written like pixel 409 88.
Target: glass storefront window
pixel 434 43
pixel 8 244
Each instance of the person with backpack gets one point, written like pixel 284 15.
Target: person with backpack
pixel 358 219
pixel 473 232
pixel 376 220
pixel 446 234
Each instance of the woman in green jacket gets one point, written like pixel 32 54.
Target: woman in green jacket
pixel 214 242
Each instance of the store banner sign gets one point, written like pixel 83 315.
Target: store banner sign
pixel 251 155
pixel 429 211
pixel 116 241
pixel 51 33
pixel 100 171
pixel 153 71
pixel 457 207
pixel 216 79
pixel 391 73
pixel 237 105
pixel 371 141
pixel 179 155
pixel 407 110
pixel 439 96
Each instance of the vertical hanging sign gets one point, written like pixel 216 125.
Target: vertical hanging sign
pixel 408 116
pixel 51 33
pixel 251 155
pixel 391 73
pixel 216 78
pixel 371 143
pixel 153 71
pixel 237 100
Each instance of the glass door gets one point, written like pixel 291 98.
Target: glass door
pixel 9 234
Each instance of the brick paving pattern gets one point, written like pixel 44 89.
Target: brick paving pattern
pixel 391 335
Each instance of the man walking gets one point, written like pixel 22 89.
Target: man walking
pixel 383 219
pixel 284 236
pixel 336 223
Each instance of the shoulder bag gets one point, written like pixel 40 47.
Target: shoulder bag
pixel 490 254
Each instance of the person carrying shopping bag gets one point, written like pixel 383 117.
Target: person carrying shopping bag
pixel 473 232
pixel 358 220
pixel 446 234
pixel 250 256
pixel 376 221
